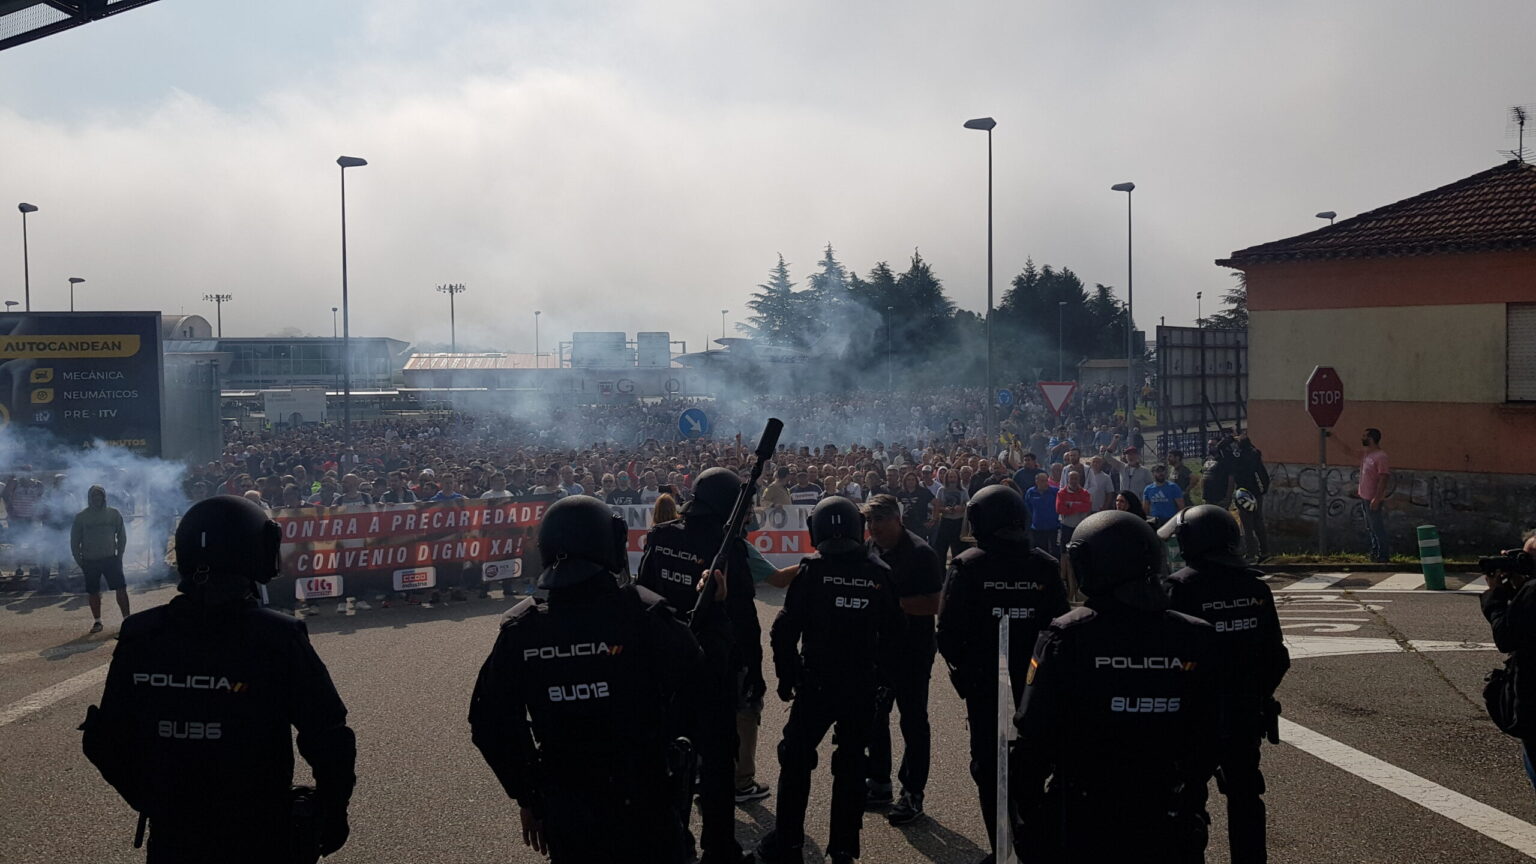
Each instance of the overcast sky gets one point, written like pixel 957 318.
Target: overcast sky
pixel 638 166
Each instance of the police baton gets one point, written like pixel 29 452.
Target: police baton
pixel 766 446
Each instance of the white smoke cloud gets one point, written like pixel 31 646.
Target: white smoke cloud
pixel 147 491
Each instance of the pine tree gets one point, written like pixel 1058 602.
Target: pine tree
pixel 777 318
pixel 1235 316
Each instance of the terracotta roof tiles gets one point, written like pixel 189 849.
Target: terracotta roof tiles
pixel 1490 210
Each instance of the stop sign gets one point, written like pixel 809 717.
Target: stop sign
pixel 1325 396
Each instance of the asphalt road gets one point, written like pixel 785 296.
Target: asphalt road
pixel 1384 683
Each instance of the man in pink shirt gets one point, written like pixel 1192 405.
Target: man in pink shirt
pixel 1373 492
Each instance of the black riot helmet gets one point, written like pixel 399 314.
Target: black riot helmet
pixel 714 493
pixel 226 536
pixel 581 537
pixel 1206 534
pixel 1112 548
pixel 836 525
pixel 997 511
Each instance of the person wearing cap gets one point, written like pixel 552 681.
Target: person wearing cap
pixel 1134 475
pixel 1218 586
pixel 573 706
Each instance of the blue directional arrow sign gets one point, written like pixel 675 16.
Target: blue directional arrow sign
pixel 693 423
pixel 1005 397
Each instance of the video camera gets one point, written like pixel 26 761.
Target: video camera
pixel 1517 562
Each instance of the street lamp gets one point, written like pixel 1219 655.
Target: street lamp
pixel 333 322
pixel 1130 311
pixel 536 363
pixel 26 264
pixel 987 124
pixel 1199 318
pixel 1061 368
pixel 73 281
pixel 722 322
pixel 1329 215
pixel 453 333
pixel 218 301
pixel 9 304
pixel 889 375
pixel 346 321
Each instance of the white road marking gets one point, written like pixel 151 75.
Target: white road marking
pixel 1493 824
pixel 1316 582
pixel 1399 582
pixel 1302 647
pixel 1478 584
pixel 48 696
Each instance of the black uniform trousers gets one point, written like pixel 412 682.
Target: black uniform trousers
pixel 907 691
pixel 848 704
pixel 1239 778
pixel 715 741
pixel 1072 825
pixel 590 817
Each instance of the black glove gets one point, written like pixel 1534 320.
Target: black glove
pixel 786 691
pixel 754 688
pixel 334 830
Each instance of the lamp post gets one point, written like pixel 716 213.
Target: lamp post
pixel 346 321
pixel 451 289
pixel 9 304
pixel 73 281
pixel 1199 318
pixel 218 301
pixel 722 322
pixel 26 263
pixel 537 364
pixel 889 375
pixel 1329 215
pixel 333 322
pixel 1061 367
pixel 1130 311
pixel 987 124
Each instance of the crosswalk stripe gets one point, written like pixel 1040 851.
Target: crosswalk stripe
pixel 1478 584
pixel 1398 582
pixel 1491 823
pixel 62 690
pixel 1316 582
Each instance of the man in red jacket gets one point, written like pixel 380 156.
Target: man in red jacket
pixel 1073 505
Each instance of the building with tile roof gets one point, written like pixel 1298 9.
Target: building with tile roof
pixel 1427 309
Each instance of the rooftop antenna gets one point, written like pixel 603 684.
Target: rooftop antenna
pixel 1517 116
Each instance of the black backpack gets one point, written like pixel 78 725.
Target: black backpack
pixel 1501 693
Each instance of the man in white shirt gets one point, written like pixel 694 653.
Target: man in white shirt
pixel 1101 486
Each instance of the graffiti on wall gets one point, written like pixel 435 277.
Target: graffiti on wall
pixel 1472 511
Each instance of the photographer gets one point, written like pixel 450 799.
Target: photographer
pixel 1509 604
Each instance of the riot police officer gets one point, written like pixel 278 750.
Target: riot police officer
pixel 1002 575
pixel 676 554
pixel 571 709
pixel 1219 587
pixel 838 613
pixel 193 728
pixel 1135 686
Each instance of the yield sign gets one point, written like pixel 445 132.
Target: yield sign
pixel 1057 393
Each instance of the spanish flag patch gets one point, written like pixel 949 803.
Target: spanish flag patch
pixel 1029 677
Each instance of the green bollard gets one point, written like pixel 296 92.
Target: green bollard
pixel 1430 558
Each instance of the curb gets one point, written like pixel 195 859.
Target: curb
pixel 1323 567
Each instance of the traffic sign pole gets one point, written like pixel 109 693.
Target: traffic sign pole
pixel 1322 489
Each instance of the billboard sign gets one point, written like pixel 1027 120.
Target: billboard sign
pixel 79 377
